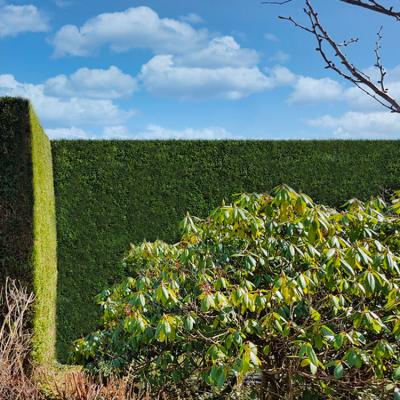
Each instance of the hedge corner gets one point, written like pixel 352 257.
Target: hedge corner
pixel 44 256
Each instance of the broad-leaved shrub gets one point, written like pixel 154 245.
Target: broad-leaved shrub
pixel 272 287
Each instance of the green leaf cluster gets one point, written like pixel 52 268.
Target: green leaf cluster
pixel 304 294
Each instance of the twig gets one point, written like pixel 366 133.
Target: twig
pixel 345 68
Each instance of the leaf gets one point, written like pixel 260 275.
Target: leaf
pixel 371 281
pixel 396 374
pixel 339 339
pixel 142 300
pixel 305 362
pixel 347 267
pixel 339 371
pixel 207 302
pixel 252 261
pixel 311 354
pixel 189 322
pixel 237 338
pixel 328 333
pixel 165 293
pixel 221 376
pixel 330 253
pixel 354 359
pixel 302 281
pixel 213 374
pixel 364 256
pixel 167 328
pixel 315 315
pixel 313 368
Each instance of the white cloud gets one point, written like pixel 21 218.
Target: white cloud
pixel 192 18
pixel 158 132
pixel 16 19
pixel 308 89
pixel 271 37
pixel 63 3
pixel 162 76
pixel 360 100
pixel 280 57
pixel 136 27
pixel 222 51
pixel 151 132
pixel 358 125
pixel 188 62
pixel 116 132
pixel 108 83
pixel 281 76
pixel 72 133
pixel 74 110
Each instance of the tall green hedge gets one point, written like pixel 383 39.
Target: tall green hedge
pixel 112 193
pixel 16 193
pixel 27 216
pixel 44 254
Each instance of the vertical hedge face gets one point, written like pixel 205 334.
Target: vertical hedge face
pixel 112 193
pixel 16 196
pixel 44 255
pixel 27 216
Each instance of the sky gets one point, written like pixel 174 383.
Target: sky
pixel 192 69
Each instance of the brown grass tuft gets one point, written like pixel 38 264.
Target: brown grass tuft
pixel 17 370
pixel 15 344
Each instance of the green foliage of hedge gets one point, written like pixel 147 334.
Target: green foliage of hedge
pixel 27 216
pixel 15 191
pixel 45 244
pixel 112 193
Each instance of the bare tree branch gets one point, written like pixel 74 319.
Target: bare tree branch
pixel 344 67
pixel 375 6
pixel 371 5
pixel 378 63
pixel 279 3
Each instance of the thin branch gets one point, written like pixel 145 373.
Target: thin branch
pixel 378 63
pixel 279 3
pixel 375 6
pixel 371 5
pixel 345 68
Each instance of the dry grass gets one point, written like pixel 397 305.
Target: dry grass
pixel 17 371
pixel 79 386
pixel 15 344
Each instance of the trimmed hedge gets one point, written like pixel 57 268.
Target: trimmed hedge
pixel 44 245
pixel 112 193
pixel 27 215
pixel 16 194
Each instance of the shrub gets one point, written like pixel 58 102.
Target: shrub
pixel 304 295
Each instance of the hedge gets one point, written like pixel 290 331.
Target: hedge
pixel 45 244
pixel 27 213
pixel 16 193
pixel 112 193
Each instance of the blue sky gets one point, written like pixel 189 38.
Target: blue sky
pixel 191 69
